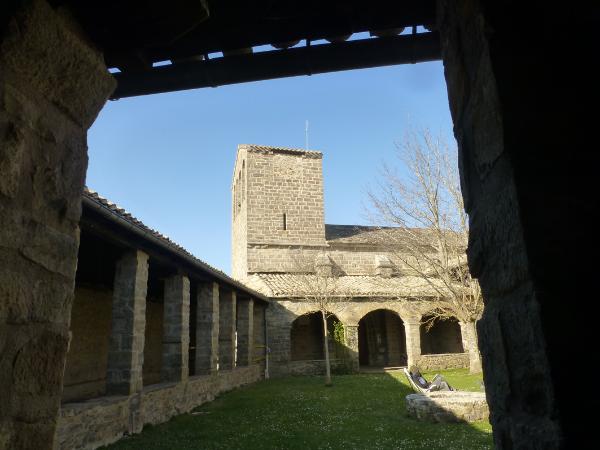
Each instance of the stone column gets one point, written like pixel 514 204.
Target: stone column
pixel 412 329
pixel 207 328
pixel 245 331
pixel 52 86
pixel 351 332
pixel 522 124
pixel 176 329
pixel 126 348
pixel 227 304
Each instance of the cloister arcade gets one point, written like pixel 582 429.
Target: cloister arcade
pixel 380 338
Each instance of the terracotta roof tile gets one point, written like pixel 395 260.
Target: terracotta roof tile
pixel 296 285
pixel 127 216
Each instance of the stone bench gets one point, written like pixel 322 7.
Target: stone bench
pixel 456 406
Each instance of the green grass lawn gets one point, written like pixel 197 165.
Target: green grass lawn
pixel 359 412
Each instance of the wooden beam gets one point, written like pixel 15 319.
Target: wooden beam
pixel 291 62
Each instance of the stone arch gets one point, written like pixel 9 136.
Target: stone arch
pixel 381 339
pixel 306 337
pixel 444 336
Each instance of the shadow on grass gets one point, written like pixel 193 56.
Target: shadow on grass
pixel 365 411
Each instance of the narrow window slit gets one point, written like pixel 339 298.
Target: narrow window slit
pixel 284 221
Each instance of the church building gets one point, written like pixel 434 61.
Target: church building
pixel 278 226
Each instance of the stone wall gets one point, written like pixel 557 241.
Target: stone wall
pixel 443 361
pixel 276 183
pixel 93 423
pixel 306 338
pixel 349 259
pixel 153 343
pixel 85 370
pixel 290 183
pixel 90 424
pixel 529 183
pixel 53 83
pixel 444 407
pixel 259 335
pixel 396 340
pixel 239 215
pixel 443 337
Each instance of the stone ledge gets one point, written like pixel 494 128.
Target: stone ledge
pixel 456 406
pixel 442 361
pixel 72 408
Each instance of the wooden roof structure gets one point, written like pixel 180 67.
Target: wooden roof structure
pixel 155 46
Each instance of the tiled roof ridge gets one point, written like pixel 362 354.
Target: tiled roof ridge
pixel 127 216
pixel 276 147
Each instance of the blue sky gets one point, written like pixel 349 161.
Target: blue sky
pixel 168 158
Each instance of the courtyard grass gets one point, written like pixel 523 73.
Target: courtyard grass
pixel 364 411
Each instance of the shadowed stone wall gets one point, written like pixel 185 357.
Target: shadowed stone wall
pixel 443 337
pixel 227 332
pixel 528 157
pixel 153 347
pixel 104 420
pixel 259 336
pixel 306 338
pixel 52 86
pixel 87 359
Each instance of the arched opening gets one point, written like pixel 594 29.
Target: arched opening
pixel 381 340
pixel 306 338
pixel 443 336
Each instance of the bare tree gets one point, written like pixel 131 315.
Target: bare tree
pixel 421 221
pixel 318 283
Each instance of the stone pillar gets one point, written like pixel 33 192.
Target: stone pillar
pixel 176 329
pixel 412 329
pixel 52 86
pixel 245 332
pixel 351 337
pixel 207 328
pixel 126 347
pixel 227 304
pixel 521 124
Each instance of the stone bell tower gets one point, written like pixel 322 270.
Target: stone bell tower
pixel 277 208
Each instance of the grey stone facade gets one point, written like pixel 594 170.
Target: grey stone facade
pixel 53 83
pixel 278 220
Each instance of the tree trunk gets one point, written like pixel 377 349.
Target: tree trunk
pixel 326 348
pixel 469 332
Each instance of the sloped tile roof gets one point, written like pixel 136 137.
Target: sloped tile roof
pixel 92 197
pixel 363 234
pixel 297 285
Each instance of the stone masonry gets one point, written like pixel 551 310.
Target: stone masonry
pixel 278 224
pixel 176 328
pixel 245 331
pixel 144 375
pixel 207 325
pixel 126 350
pixel 227 332
pixel 53 83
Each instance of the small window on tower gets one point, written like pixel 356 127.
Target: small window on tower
pixel 284 221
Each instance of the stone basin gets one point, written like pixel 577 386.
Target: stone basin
pixel 455 406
